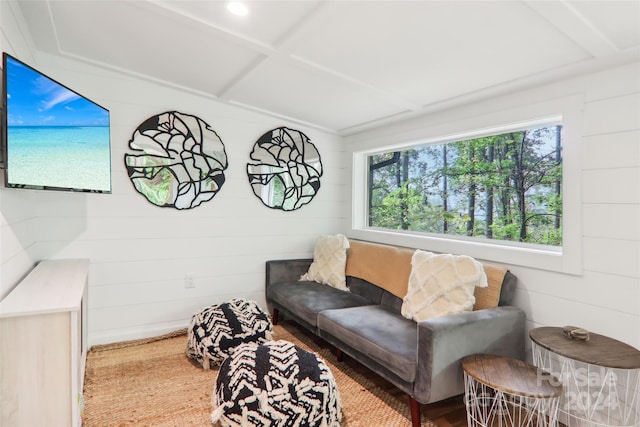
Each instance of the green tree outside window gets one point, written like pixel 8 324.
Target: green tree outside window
pixel 504 187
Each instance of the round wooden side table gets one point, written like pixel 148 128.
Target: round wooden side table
pixel 600 377
pixel 500 391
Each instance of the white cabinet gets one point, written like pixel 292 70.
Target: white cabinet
pixel 43 346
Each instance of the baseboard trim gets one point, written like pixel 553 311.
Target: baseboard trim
pixel 140 332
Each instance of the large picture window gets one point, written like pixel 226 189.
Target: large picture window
pixel 502 186
pixel 500 181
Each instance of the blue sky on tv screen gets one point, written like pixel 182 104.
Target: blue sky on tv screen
pixel 35 100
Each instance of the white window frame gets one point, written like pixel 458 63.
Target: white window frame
pixel 566 259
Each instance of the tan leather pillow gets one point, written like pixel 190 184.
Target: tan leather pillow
pixel 489 297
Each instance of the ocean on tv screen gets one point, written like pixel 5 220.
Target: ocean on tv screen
pixel 60 156
pixel 55 136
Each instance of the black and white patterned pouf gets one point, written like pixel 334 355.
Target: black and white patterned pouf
pixel 275 384
pixel 216 330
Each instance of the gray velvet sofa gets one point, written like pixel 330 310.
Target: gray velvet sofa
pixel 420 358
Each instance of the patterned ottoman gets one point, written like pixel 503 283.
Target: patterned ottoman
pixel 215 331
pixel 275 384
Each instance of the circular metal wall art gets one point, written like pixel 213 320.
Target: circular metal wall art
pixel 286 170
pixel 178 161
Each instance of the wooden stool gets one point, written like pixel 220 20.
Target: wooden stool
pixel 500 391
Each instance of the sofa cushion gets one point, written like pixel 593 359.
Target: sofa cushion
pixel 379 332
pixel 383 265
pixel 329 260
pixel 365 289
pixel 307 299
pixel 441 284
pixel 391 301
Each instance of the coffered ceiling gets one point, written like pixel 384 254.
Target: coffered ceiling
pixel 342 66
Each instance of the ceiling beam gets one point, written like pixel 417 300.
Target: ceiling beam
pixel 567 19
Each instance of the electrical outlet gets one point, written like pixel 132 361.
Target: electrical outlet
pixel 189 281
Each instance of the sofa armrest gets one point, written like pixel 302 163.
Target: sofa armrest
pixel 286 270
pixel 444 341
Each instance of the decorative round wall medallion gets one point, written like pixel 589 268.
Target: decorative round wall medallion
pixel 178 160
pixel 286 170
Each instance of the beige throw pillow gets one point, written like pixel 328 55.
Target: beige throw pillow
pixel 489 297
pixel 441 284
pixel 329 260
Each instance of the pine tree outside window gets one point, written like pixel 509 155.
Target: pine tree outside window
pixel 505 186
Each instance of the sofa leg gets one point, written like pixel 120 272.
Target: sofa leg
pixel 414 408
pixel 338 355
pixel 274 317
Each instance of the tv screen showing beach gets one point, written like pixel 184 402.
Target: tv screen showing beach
pixel 55 138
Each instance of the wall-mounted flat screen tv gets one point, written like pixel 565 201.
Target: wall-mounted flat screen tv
pixel 54 138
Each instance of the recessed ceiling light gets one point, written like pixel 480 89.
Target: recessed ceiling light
pixel 238 8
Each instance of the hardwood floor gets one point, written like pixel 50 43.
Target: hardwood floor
pixel 447 413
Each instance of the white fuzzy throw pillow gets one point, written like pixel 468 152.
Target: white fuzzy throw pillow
pixel 441 284
pixel 329 262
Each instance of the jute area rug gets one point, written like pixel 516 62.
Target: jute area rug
pixel 153 383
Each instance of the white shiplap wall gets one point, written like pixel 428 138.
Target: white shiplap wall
pixel 140 253
pixel 17 209
pixel 17 238
pixel 605 296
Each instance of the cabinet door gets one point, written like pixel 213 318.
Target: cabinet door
pixel 35 370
